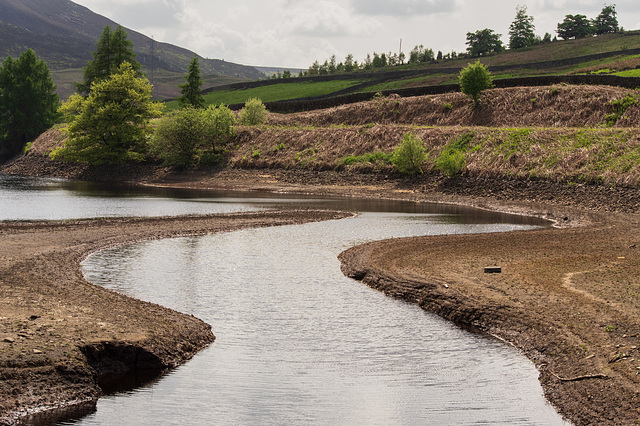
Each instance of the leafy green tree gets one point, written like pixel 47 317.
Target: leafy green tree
pixel 574 26
pixel 410 155
pixel 484 42
pixel 28 102
pixel 521 30
pixel 112 49
pixel 112 123
pixel 474 79
pixel 606 21
pixel 191 92
pixel 254 113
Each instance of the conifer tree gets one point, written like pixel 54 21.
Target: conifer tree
pixel 191 93
pixel 112 49
pixel 28 102
pixel 521 30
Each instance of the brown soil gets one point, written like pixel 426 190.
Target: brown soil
pixel 60 335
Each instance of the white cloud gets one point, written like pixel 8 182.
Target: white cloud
pixel 403 7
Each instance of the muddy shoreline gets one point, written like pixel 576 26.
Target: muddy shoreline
pixel 61 335
pixel 568 298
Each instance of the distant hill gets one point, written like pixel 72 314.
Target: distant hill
pixel 64 34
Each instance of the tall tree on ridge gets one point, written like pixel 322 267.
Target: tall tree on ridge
pixel 191 92
pixel 112 49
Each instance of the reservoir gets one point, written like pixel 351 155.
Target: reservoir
pixel 296 341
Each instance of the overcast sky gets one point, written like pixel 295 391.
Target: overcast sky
pixel 294 33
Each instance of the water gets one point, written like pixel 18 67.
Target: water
pixel 299 343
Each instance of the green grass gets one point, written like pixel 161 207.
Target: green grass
pixel 275 92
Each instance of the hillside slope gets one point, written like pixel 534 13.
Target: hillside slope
pixel 64 34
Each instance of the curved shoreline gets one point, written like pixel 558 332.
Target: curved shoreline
pixel 546 301
pixel 60 335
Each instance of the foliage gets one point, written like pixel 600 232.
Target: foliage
pixel 620 106
pixel 484 42
pixel 112 49
pixel 193 135
pixel 410 155
pixel 28 103
pixel 574 26
pixel 606 21
pixel 521 30
pixel 452 159
pixel 112 123
pixel 421 54
pixel 191 92
pixel 474 79
pixel 254 113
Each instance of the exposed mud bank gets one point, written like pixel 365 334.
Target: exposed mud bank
pixel 61 337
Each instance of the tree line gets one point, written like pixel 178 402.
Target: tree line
pixel 479 43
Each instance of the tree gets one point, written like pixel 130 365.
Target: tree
pixel 574 26
pixel 112 123
pixel 112 49
pixel 484 42
pixel 474 79
pixel 191 93
pixel 521 30
pixel 28 102
pixel 606 21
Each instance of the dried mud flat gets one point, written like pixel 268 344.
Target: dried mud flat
pixel 60 335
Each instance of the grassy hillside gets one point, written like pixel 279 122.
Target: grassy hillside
pixel 569 134
pixel 571 56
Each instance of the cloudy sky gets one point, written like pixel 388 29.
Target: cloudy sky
pixel 294 33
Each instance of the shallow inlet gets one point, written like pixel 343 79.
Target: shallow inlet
pixel 297 342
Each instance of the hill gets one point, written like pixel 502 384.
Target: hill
pixel 64 34
pixel 611 54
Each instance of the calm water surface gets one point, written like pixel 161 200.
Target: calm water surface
pixel 296 341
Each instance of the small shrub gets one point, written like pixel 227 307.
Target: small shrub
pixel 452 160
pixel 474 79
pixel 377 157
pixel 620 106
pixel 256 154
pixel 254 113
pixel 410 155
pixel 447 107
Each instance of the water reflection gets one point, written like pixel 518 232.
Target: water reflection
pixel 297 342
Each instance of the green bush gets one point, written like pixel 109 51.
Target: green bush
pixel 190 136
pixel 452 160
pixel 254 113
pixel 474 79
pixel 410 155
pixel 376 157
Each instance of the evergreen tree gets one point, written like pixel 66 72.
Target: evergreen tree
pixel 484 42
pixel 521 30
pixel 606 21
pixel 191 93
pixel 28 102
pixel 112 49
pixel 112 123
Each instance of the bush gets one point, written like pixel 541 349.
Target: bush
pixel 410 155
pixel 452 160
pixel 474 79
pixel 190 136
pixel 254 113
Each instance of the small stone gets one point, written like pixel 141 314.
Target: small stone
pixel 34 317
pixel 9 339
pixel 37 351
